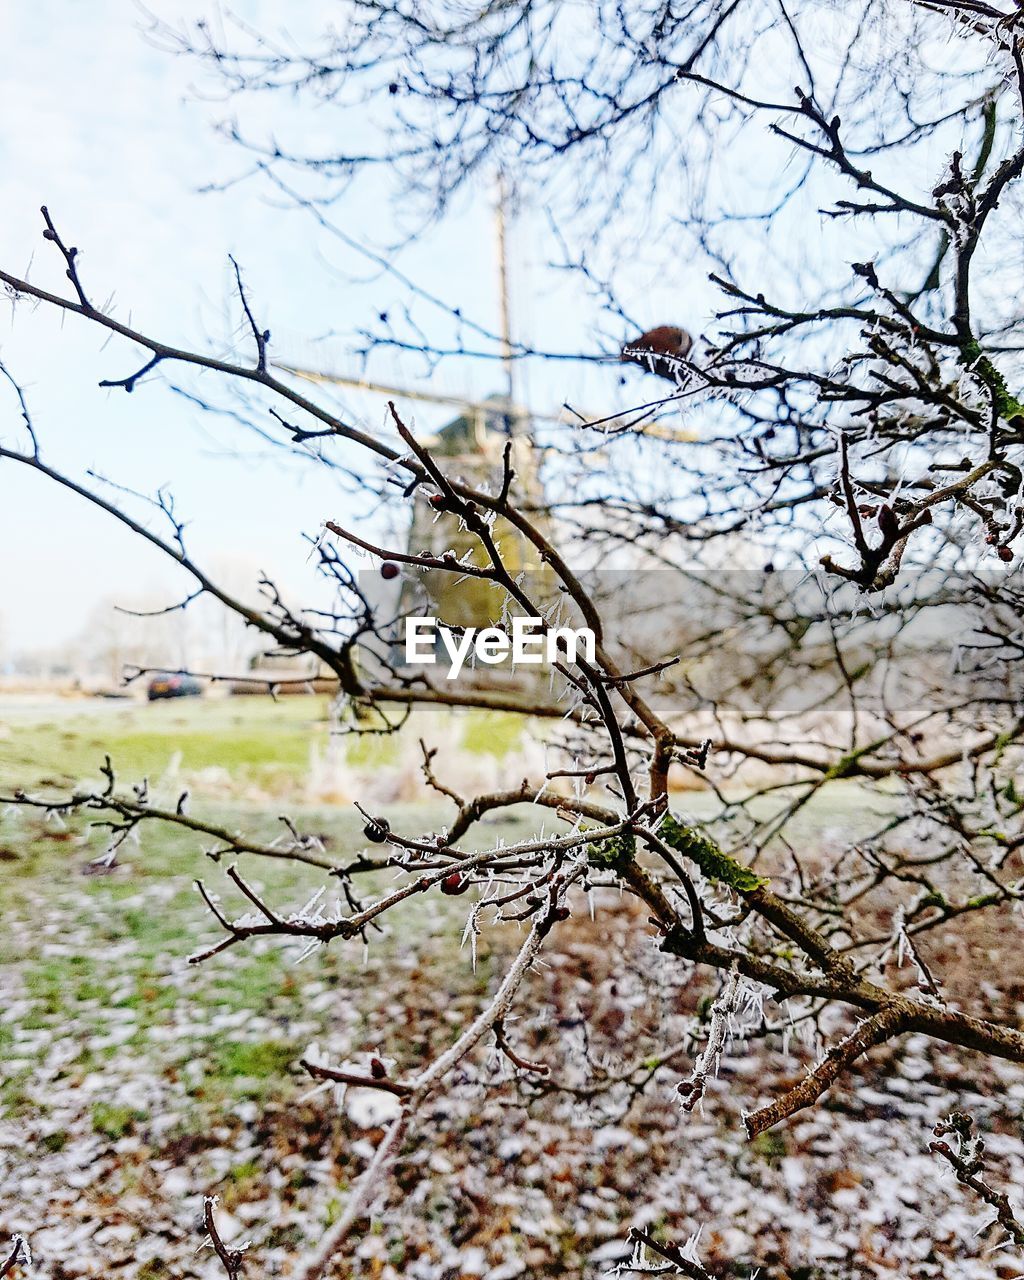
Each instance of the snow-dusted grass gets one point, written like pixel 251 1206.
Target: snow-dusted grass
pixel 132 1084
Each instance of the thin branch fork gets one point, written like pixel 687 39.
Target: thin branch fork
pixel 672 1254
pixel 260 336
pixel 161 351
pixel 137 810
pixel 692 1091
pixel 428 1080
pixel 349 926
pixel 872 1031
pixel 517 1060
pixel 20 1255
pixel 232 1260
pixel 967 1163
pixel 382 1082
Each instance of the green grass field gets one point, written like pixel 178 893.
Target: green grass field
pixel 84 950
pixel 253 739
pixel 98 963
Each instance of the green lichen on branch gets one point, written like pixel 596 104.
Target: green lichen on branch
pixel 1007 406
pixel 612 852
pixel 713 862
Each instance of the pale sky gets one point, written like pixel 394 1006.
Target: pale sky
pixel 117 137
pixel 101 126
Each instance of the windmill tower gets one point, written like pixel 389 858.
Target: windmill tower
pixel 471 447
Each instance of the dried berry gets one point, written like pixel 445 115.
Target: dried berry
pixel 389 570
pixel 1004 554
pixel 377 830
pixel 377 1069
pixel 455 883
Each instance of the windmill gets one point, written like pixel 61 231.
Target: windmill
pixel 472 445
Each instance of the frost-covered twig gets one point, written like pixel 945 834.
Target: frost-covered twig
pixel 872 1031
pixel 232 1260
pixel 968 1162
pixel 516 1058
pixel 691 1091
pixel 428 1080
pixel 20 1255
pixel 679 1260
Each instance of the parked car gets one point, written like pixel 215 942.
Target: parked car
pixel 173 687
